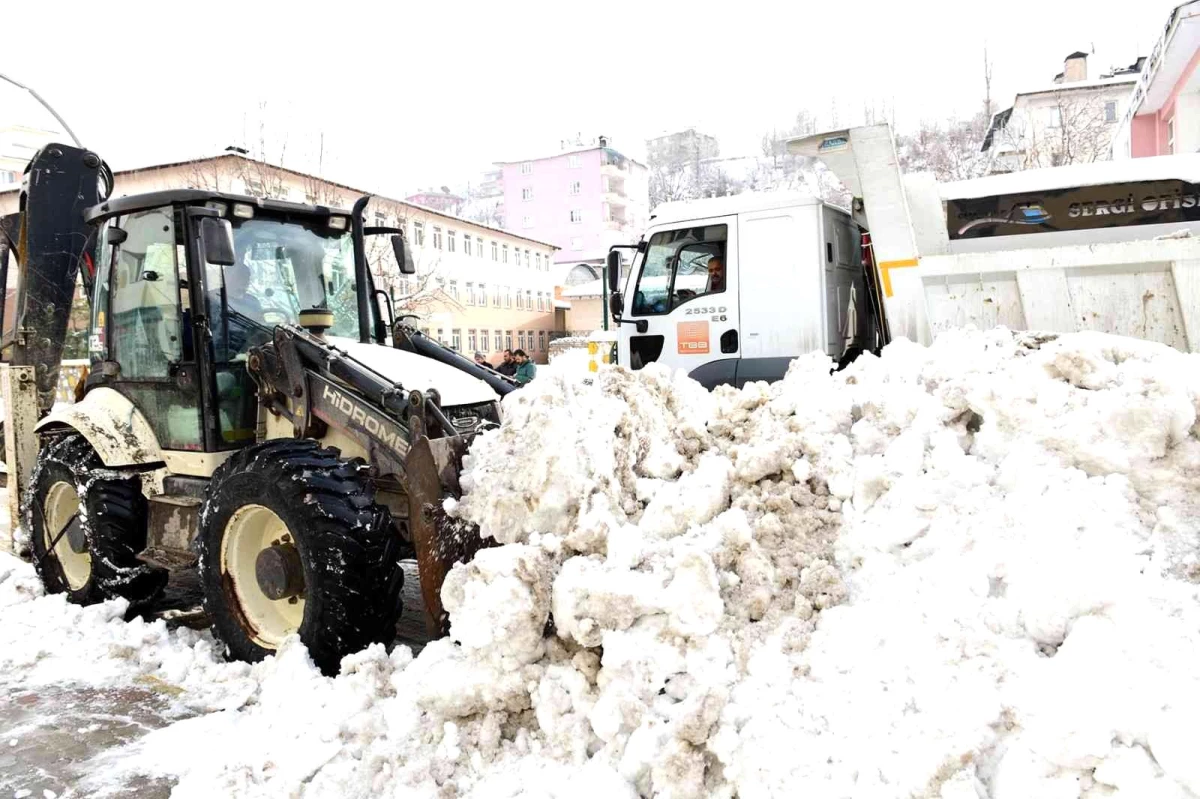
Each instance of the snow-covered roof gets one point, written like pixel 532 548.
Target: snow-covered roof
pixel 562 305
pixel 724 206
pixel 594 288
pixel 584 148
pixel 1098 83
pixel 1162 167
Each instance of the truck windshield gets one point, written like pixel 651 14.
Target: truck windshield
pixel 680 265
pixel 282 266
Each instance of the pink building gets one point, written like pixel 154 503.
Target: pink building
pixel 583 199
pixel 1164 115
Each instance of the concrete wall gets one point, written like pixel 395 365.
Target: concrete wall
pixel 584 316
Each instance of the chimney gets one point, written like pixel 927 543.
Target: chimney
pixel 1075 67
pixel 603 141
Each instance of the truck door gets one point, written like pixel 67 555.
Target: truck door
pixel 685 288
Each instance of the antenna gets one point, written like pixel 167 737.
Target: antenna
pixel 46 105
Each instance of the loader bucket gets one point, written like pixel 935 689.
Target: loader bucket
pixel 440 541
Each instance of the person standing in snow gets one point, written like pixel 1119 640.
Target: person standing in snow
pixel 481 361
pixel 526 371
pixel 507 367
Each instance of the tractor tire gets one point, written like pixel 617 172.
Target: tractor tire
pixel 99 563
pixel 291 540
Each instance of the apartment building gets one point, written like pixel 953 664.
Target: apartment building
pixel 477 287
pixel 583 199
pixel 1163 116
pixel 18 144
pixel 1074 119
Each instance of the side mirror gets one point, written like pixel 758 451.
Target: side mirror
pixel 613 264
pixel 403 256
pixel 616 304
pixel 116 236
pixel 216 236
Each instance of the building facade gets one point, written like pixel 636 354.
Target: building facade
pixel 1073 120
pixel 583 200
pixel 686 146
pixel 477 287
pixel 18 145
pixel 1163 116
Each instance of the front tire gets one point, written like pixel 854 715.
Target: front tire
pixel 98 561
pixel 292 541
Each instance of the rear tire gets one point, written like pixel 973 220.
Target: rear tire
pixel 293 496
pixel 67 480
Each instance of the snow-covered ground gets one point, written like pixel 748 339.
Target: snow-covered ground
pixel 963 571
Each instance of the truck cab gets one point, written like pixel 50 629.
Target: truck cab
pixel 732 289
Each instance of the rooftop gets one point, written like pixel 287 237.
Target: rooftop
pixel 724 206
pixel 351 189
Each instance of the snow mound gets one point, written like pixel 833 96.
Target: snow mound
pixel 957 571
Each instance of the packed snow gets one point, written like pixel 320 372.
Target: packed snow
pixel 968 570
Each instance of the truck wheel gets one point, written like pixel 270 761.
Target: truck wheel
pixel 292 541
pixel 86 527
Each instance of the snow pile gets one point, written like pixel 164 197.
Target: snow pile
pixel 957 571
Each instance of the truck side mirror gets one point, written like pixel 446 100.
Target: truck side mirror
pixel 613 264
pixel 403 255
pixel 216 235
pixel 615 304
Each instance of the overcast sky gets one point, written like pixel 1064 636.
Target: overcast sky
pixel 411 94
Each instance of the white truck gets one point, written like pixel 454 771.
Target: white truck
pixel 1113 247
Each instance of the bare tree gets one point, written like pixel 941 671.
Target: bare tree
pixel 1070 129
pixel 950 149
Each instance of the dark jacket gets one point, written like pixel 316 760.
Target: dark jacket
pixel 508 369
pixel 526 372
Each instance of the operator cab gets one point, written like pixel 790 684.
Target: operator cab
pixel 184 283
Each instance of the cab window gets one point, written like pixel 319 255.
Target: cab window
pixel 681 265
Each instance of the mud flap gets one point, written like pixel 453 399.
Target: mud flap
pixel 440 541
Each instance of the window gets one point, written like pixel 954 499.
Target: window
pixel 495 251
pixel 454 289
pixel 441 336
pixel 496 298
pixel 528 263
pixel 508 340
pixel 483 295
pixel 573 162
pixel 437 237
pixel 1110 111
pixel 144 329
pixel 479 246
pixel 527 221
pixel 419 234
pixel 11 177
pixel 504 254
pixel 541 302
pixel 537 260
pixel 527 168
pixel 507 297
pixel 456 338
pixel 1171 136
pixel 466 244
pixel 380 219
pixel 679 265
pixel 518 299
pixel 470 294
pixel 576 216
pixel 1056 117
pixel 542 340
pixel 521 339
pixel 450 236
pixel 498 342
pixel 527 193
pixel 473 341
pixel 529 300
pixel 576 186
